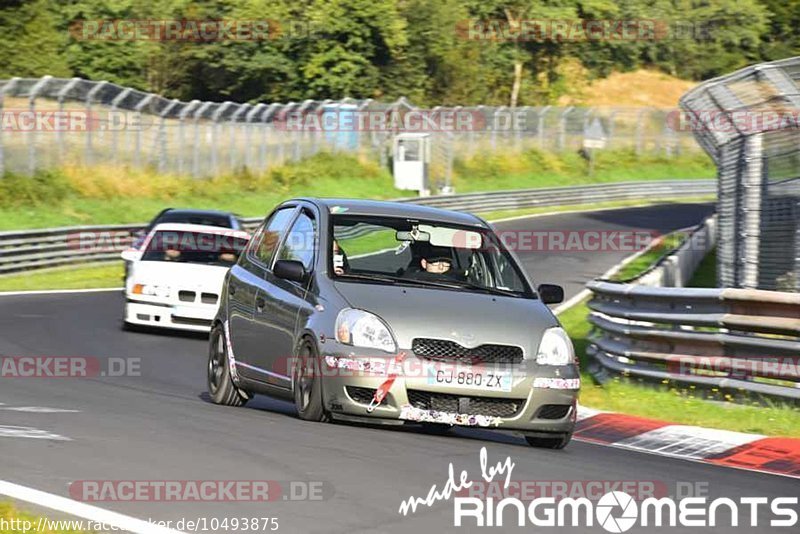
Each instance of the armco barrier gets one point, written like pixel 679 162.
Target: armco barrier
pixel 32 249
pixel 730 339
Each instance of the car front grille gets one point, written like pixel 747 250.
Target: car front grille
pixel 449 351
pixel 363 395
pixel 186 296
pixel 553 411
pixel 442 402
pixel 208 298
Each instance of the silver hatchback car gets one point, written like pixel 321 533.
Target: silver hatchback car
pixel 393 313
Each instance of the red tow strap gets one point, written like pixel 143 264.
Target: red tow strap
pixel 384 388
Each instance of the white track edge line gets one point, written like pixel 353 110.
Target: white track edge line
pixel 82 510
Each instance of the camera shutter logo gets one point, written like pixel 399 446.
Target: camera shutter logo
pixel 607 504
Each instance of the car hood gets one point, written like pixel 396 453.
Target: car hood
pixel 468 318
pixel 188 275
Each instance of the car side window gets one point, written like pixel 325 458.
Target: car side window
pixel 267 240
pixel 299 243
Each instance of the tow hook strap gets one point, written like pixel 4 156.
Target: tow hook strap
pixel 384 388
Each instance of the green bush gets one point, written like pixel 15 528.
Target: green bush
pixel 44 187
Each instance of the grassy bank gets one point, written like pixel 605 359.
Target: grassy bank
pixel 108 195
pixel 90 276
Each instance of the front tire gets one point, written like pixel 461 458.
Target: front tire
pixel 556 442
pixel 221 388
pixel 307 385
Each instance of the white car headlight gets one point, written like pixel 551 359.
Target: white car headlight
pixel 555 348
pixel 363 329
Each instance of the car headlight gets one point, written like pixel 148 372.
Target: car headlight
pixel 363 329
pixel 151 290
pixel 555 348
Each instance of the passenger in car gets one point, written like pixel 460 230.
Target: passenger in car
pixel 340 265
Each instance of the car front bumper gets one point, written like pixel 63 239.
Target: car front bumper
pixel 540 399
pixel 195 318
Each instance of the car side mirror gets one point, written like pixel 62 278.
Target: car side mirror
pixel 290 270
pixel 131 254
pixel 550 293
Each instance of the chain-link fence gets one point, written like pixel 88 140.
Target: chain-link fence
pixel 749 122
pixel 52 121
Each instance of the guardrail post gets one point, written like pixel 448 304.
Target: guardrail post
pixel 540 125
pixel 137 147
pixel 267 118
pixel 753 179
pixel 640 131
pixel 249 118
pixel 181 127
pixel 562 128
pixel 7 88
pixel 214 128
pixel 162 135
pixel 89 100
pixel 196 149
pixel 35 90
pixel 234 127
pixel 495 125
pixel 114 133
pixel 62 94
pixel 610 130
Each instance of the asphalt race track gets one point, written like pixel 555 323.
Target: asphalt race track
pixel 160 426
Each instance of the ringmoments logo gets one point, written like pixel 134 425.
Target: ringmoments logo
pixel 615 511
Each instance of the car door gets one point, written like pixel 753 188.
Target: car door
pixel 245 282
pixel 281 301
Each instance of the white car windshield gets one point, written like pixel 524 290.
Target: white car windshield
pixel 423 253
pixel 194 247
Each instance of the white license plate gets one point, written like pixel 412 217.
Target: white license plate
pixel 483 379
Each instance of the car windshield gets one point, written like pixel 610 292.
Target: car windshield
pixel 427 254
pixel 194 247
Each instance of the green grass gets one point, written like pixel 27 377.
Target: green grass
pixel 534 168
pixel 99 275
pixel 706 273
pixel 669 402
pixel 109 195
pixel 641 263
pixel 9 512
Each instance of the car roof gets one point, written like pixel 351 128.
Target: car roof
pixel 203 228
pixel 190 211
pixel 394 209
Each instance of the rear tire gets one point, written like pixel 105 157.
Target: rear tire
pixel 556 442
pixel 307 385
pixel 221 388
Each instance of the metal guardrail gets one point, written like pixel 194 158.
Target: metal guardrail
pixel 51 247
pixel 731 339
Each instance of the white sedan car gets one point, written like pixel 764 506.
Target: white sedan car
pixel 175 278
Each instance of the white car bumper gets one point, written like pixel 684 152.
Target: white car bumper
pixel 196 318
